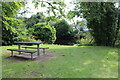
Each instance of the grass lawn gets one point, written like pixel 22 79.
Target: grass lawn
pixel 78 62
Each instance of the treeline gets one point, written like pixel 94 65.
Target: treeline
pixel 102 21
pixel 36 28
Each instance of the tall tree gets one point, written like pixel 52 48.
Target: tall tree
pixel 101 18
pixel 117 37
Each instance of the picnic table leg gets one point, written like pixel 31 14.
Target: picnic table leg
pixel 19 48
pixel 31 56
pixel 38 51
pixel 44 51
pixel 11 53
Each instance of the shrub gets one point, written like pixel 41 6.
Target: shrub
pixel 85 38
pixel 64 33
pixel 11 29
pixel 45 32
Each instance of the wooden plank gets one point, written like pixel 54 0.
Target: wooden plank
pixel 37 47
pixel 28 56
pixel 21 50
pixel 28 42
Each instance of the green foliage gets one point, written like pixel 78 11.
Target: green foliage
pixel 9 23
pixel 12 29
pixel 71 14
pixel 34 19
pixel 7 37
pixel 16 31
pixel 9 9
pixel 101 18
pixel 86 39
pixel 117 43
pixel 45 32
pixel 64 32
pixel 54 7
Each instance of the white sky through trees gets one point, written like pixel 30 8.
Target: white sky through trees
pixel 32 10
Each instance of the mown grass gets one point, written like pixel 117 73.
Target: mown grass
pixel 78 62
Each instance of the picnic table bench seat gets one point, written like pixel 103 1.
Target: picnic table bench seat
pixel 37 48
pixel 21 50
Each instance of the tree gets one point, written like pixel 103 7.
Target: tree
pixel 9 22
pixel 34 19
pixel 117 41
pixel 56 7
pixel 38 26
pixel 15 29
pixel 101 18
pixel 71 15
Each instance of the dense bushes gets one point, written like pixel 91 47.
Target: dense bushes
pixel 7 37
pixel 12 28
pixel 104 25
pixel 64 33
pixel 45 32
pixel 34 19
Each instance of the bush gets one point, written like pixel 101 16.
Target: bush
pixel 11 29
pixel 7 37
pixel 85 38
pixel 64 33
pixel 45 32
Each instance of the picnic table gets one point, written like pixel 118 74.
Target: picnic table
pixel 28 51
pixel 36 43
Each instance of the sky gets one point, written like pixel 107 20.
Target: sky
pixel 32 10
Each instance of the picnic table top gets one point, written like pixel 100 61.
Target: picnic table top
pixel 28 42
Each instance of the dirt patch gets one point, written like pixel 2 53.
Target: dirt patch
pixel 16 59
pixel 47 56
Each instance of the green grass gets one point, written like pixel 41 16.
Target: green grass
pixel 78 62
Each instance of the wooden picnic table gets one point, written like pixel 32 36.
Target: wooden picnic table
pixel 36 43
pixel 24 52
